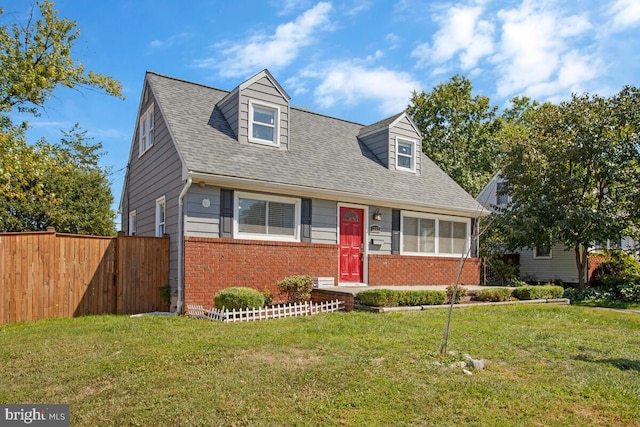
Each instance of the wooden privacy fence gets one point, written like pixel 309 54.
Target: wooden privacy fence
pixel 46 274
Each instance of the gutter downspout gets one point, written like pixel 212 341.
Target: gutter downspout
pixel 183 193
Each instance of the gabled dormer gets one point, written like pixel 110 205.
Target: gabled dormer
pixel 258 111
pixel 396 142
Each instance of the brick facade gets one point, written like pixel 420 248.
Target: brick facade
pixel 212 264
pixel 387 270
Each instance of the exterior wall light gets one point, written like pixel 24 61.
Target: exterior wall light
pixel 377 216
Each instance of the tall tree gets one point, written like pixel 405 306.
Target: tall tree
pixel 575 177
pixel 42 184
pixel 459 130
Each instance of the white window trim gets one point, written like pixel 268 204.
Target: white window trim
pixel 276 125
pixel 143 118
pixel 269 198
pixel 413 157
pixel 438 218
pixel 550 256
pixel 132 223
pixel 161 201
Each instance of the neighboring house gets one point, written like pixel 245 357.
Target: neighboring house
pixel 545 263
pixel 252 190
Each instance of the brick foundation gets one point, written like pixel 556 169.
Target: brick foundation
pixel 387 270
pixel 324 295
pixel 212 264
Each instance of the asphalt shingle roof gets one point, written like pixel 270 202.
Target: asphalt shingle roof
pixel 324 152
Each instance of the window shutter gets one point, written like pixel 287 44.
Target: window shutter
pixel 305 221
pixel 395 231
pixel 226 213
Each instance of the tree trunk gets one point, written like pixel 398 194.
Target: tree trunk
pixel 581 263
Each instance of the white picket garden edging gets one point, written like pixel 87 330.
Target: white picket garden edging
pixel 271 312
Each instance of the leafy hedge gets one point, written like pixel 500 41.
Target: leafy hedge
pixel 493 295
pixel 297 288
pixel 538 292
pixel 393 298
pixel 238 298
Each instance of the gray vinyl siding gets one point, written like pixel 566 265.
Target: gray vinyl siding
pixel 324 221
pixel 378 143
pixel 562 266
pixel 202 221
pixel 264 91
pixel 384 234
pixel 230 110
pixel 404 129
pixel 157 173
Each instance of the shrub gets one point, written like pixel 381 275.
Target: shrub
pixel 538 292
pixel 268 296
pixel 493 294
pixel 625 289
pixel 515 283
pixel 616 263
pixel 378 298
pixel 460 292
pixel 424 297
pixel 297 288
pixel 392 298
pixel 586 294
pixel 238 298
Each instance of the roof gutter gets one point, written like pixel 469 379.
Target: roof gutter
pixel 292 189
pixel 183 193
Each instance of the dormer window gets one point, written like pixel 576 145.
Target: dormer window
pixel 405 154
pixel 263 124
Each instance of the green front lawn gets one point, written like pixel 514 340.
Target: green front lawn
pixel 545 365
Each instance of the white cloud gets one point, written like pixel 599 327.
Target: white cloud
pixel 626 13
pixel 271 51
pixel 462 34
pixel 538 53
pixel 352 83
pixel 169 41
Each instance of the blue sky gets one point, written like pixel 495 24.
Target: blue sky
pixel 358 60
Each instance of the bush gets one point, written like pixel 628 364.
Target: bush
pixel 616 263
pixel 297 288
pixel 460 292
pixel 625 289
pixel 586 294
pixel 425 297
pixel 515 283
pixel 538 292
pixel 493 294
pixel 238 298
pixel 378 298
pixel 392 298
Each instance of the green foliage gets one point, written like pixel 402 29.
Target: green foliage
pixel 238 298
pixel 36 58
pixel 61 186
pixel 297 288
pixel 493 294
pixel 573 178
pixel 395 298
pixel 165 294
pixel 42 184
pixel 625 288
pixel 459 130
pixel 421 297
pixel 586 294
pixel 617 263
pixel 515 283
pixel 268 296
pixel 538 292
pixel 460 293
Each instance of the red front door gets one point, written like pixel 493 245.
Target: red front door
pixel 351 244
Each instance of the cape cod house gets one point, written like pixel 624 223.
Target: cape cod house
pixel 251 190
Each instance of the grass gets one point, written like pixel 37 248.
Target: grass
pixel 545 365
pixel 607 303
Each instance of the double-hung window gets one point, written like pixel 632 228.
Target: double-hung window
pixel 263 124
pixel 424 234
pixel 161 213
pixel 266 217
pixel 542 251
pixel 501 197
pixel 405 154
pixel 146 130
